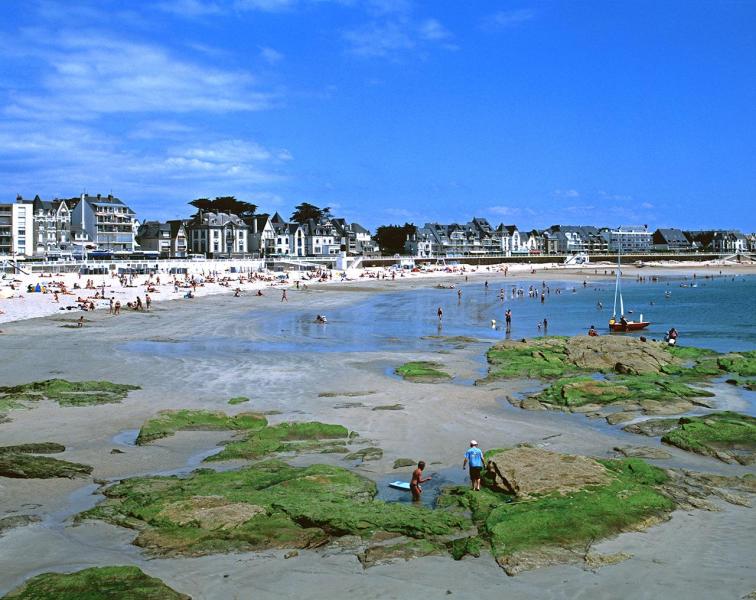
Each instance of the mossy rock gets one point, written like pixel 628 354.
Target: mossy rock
pixel 65 393
pixel 25 466
pixel 365 454
pixel 553 525
pixel 34 448
pixel 238 400
pixel 729 436
pixel 310 436
pixel 741 363
pixel 404 462
pixel 657 387
pixel 168 422
pixel 266 505
pixel 422 371
pixel 96 583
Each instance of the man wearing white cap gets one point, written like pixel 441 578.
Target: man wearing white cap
pixel 474 457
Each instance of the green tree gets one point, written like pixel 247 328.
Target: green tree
pixel 306 211
pixel 226 204
pixel 391 238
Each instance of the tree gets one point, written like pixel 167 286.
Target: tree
pixel 391 238
pixel 306 211
pixel 226 204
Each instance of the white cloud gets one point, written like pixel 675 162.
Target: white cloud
pixel 567 193
pixel 508 18
pixel 646 205
pixel 431 29
pixel 379 39
pixel 89 74
pixel 270 56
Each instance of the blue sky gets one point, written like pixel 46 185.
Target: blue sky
pixel 530 113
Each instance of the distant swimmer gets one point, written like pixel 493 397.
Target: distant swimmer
pixel 321 319
pixel 440 313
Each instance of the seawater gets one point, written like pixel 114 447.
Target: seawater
pixel 718 313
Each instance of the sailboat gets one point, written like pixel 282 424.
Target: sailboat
pixel 623 324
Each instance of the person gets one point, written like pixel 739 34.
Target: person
pixel 147 301
pixel 259 292
pixel 474 457
pixel 117 308
pixel 508 318
pixel 138 305
pixel 440 313
pixel 459 294
pixel 80 322
pixel 417 479
pixel 592 331
pixel 672 337
pixel 237 292
pixel 284 297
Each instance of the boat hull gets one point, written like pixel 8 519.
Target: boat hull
pixel 629 326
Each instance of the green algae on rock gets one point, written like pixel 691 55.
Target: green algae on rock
pixel 238 400
pixel 558 524
pixel 310 436
pixel 168 422
pixel 266 505
pixel 96 583
pixel 422 371
pixel 19 465
pixel 554 356
pixel 65 393
pixel 728 436
pixel 581 390
pixel 35 448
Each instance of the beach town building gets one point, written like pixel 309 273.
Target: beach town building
pixel 670 239
pixel 168 238
pixel 17 229
pixel 511 241
pixel 630 239
pixel 52 227
pixel 103 223
pixel 262 235
pixel 321 238
pixel 217 234
pixel 289 237
pixel 718 240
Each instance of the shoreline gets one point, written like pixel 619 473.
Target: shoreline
pixel 24 305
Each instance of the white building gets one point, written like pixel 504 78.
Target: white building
pixel 218 234
pixel 103 222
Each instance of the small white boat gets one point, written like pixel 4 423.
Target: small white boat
pixel 400 485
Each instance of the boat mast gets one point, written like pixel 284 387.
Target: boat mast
pixel 617 284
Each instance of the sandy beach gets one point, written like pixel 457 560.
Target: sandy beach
pixel 697 554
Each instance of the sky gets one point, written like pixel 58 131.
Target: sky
pixel 526 112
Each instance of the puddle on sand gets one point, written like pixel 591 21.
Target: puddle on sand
pixel 441 478
pixel 126 438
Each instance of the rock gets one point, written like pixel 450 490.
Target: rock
pixel 704 402
pixel 35 448
pixel 116 451
pixel 365 454
pixel 527 560
pixel 14 521
pixel 531 404
pixel 594 561
pixel 652 407
pixel 389 407
pixel 532 471
pixel 620 417
pixel 642 452
pixel 25 466
pixel 404 462
pixel 652 427
pixel 291 554
pixel 406 550
pixel 210 512
pixel 349 405
pixel 585 408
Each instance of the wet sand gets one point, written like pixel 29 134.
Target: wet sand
pixel 695 555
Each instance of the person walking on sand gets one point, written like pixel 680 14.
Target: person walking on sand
pixel 417 479
pixel 147 301
pixel 474 457
pixel 284 297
